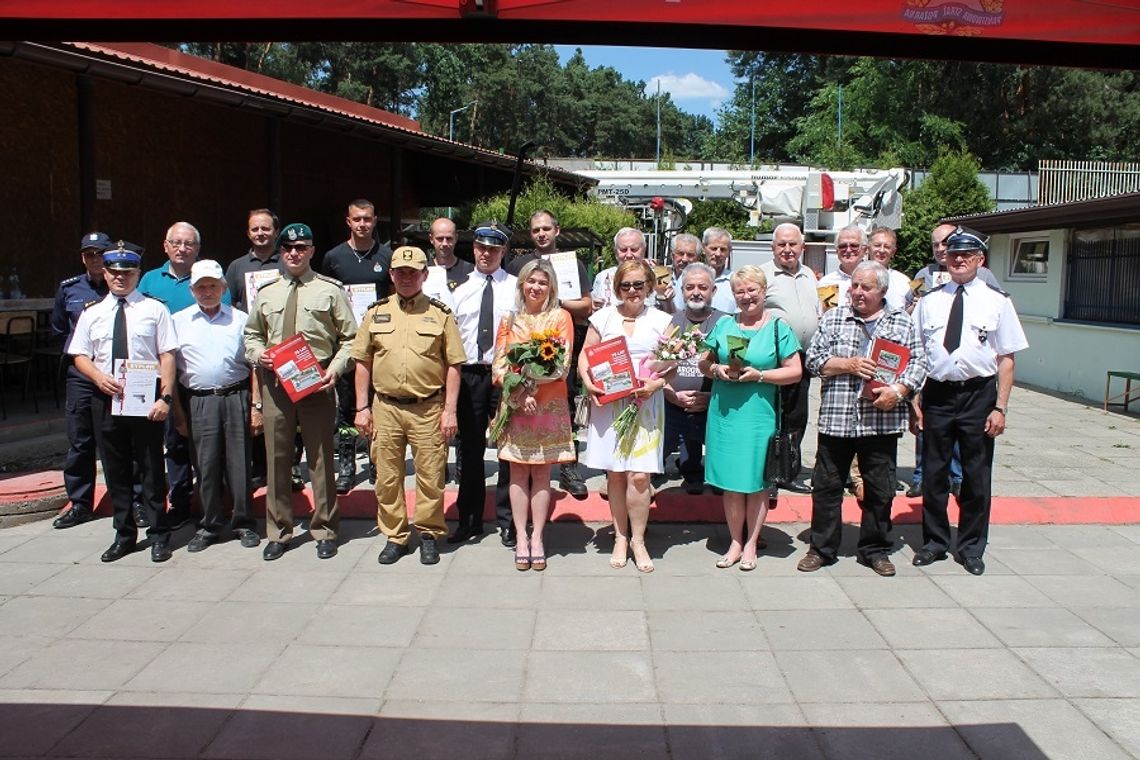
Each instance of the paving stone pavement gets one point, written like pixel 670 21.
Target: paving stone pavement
pixel 221 655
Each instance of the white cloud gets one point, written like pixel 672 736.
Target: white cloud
pixel 689 86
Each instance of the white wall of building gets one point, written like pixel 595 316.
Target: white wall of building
pixel 1070 357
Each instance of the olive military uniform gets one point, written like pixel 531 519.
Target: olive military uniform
pixel 325 319
pixel 409 343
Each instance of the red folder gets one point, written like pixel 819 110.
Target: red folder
pixel 890 360
pixel 611 369
pixel 295 366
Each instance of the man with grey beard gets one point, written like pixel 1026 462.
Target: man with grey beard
pixel 687 391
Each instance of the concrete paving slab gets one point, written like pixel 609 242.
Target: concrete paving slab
pixel 1086 672
pixel 336 624
pixel 1119 718
pixel 673 630
pixel 589 630
pixel 1029 729
pixel 192 584
pixel 930 628
pixel 1121 624
pixel 1028 562
pixel 251 623
pixel 1114 560
pixel 94 582
pixel 612 592
pixel 574 731
pixel 819 629
pixel 850 675
pixel 992 591
pixel 706 677
pixel 458 675
pixel 21 578
pixel 142 620
pixel 273 735
pixel 372 589
pixel 36 720
pixel 49 616
pixel 105 665
pixel 205 668
pixel 730 732
pixel 443 628
pixel 885 731
pixel 589 677
pixel 112 731
pixel 722 591
pixel 1039 627
pixel 1076 591
pixel 795 592
pixel 894 593
pixel 960 674
pixel 310 672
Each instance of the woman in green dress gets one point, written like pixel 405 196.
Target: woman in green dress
pixel 750 353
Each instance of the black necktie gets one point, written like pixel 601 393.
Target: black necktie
pixel 119 348
pixel 289 321
pixel 486 319
pixel 954 325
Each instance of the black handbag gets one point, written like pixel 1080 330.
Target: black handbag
pixel 782 461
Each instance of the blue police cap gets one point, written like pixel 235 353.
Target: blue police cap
pixel 123 255
pixel 963 239
pixel 97 241
pixel 492 234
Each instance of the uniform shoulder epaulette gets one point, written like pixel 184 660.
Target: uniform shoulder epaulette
pixel 996 288
pixel 70 280
pixel 270 284
pixel 332 280
pixel 439 305
pixel 89 304
pixel 148 295
pixel 940 287
pixel 381 302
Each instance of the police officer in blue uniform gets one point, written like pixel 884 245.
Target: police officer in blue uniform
pixel 72 297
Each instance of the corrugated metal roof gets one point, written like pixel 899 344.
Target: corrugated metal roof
pixel 1111 209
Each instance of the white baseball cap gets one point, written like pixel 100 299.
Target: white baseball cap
pixel 206 268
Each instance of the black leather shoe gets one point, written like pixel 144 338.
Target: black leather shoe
pixel 924 557
pixel 508 537
pixel 118 550
pixel 915 490
pixel 973 565
pixel 392 552
pixel 72 517
pixel 429 552
pixel 797 487
pixel 326 548
pixel 372 473
pixel 248 538
pixel 257 482
pixel 273 550
pixel 160 550
pixel 201 540
pixel 693 487
pixel 297 482
pixel 464 533
pixel 142 519
pixel 570 481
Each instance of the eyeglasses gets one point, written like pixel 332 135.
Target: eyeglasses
pixel 848 246
pixel 182 243
pixel 627 286
pixel 290 247
pixel 962 254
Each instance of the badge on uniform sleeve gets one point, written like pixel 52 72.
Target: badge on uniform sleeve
pixel 381 318
pixel 377 267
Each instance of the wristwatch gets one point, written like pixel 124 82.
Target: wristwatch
pixel 257 405
pixel 167 398
pixel 1001 409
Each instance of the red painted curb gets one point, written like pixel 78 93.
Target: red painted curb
pixel 673 505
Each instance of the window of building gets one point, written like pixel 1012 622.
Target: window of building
pixel 1102 282
pixel 1029 259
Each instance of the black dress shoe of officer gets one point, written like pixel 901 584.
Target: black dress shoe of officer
pixel 326 548
pixel 429 552
pixel 464 533
pixel 72 517
pixel 273 550
pixel 118 550
pixel 973 565
pixel 508 537
pixel 160 550
pixel 797 487
pixel 142 519
pixel 392 553
pixel 924 557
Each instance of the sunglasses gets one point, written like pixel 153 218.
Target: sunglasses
pixel 295 247
pixel 627 286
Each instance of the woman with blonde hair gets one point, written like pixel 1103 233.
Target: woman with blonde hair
pixel 627 471
pixel 538 432
pixel 750 354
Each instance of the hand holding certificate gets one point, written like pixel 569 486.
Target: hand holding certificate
pixel 138 388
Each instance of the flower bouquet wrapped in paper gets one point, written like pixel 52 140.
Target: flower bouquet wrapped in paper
pixel 539 358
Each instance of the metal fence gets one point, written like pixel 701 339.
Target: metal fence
pixel 1065 181
pixel 1103 278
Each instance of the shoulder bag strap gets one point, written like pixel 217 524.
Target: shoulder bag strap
pixel 779 394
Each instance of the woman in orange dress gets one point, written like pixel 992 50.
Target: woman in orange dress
pixel 538 432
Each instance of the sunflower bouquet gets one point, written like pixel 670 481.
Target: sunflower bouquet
pixel 539 357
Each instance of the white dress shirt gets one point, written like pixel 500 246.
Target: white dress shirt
pixel 468 300
pixel 150 331
pixel 211 350
pixel 990 328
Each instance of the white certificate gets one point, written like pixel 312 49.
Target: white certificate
pixel 436 286
pixel 140 388
pixel 361 297
pixel 254 281
pixel 565 265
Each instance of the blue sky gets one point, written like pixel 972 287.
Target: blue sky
pixel 697 80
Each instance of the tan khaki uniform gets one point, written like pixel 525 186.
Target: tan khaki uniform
pixel 324 317
pixel 408 345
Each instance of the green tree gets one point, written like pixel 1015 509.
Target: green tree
pixel 727 214
pixel 952 188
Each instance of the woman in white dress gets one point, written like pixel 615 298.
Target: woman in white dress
pixel 627 473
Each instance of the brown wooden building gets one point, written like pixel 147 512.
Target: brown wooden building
pixel 128 138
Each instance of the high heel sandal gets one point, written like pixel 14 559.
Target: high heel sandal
pixel 618 561
pixel 647 565
pixel 523 563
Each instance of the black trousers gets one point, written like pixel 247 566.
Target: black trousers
pixel 794 399
pixel 685 434
pixel 478 402
pixel 126 442
pixel 955 413
pixel 84 441
pixel 219 428
pixel 877 458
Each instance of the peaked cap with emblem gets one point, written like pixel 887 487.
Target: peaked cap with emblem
pixel 295 232
pixel 410 257
pixel 966 239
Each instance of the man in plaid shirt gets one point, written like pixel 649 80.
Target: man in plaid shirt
pixel 851 426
